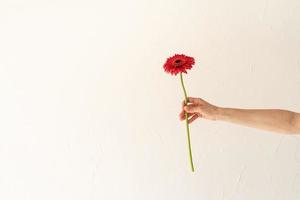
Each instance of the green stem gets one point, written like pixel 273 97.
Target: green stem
pixel 187 124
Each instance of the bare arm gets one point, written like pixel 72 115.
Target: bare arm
pixel 275 120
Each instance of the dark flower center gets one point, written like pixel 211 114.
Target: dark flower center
pixel 178 63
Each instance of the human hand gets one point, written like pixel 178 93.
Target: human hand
pixel 198 108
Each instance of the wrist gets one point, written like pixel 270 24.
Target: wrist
pixel 221 113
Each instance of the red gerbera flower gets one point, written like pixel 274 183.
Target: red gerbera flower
pixel 178 63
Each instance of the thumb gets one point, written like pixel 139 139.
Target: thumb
pixel 190 108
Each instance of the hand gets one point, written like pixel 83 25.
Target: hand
pixel 198 108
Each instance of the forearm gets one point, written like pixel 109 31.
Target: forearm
pixel 275 120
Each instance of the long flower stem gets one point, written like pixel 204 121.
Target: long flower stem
pixel 187 124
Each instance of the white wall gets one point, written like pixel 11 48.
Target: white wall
pixel 87 112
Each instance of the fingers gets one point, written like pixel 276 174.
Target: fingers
pixel 183 103
pixel 182 115
pixel 189 101
pixel 190 108
pixel 193 118
pixel 193 100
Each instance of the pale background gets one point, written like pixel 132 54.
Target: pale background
pixel 87 112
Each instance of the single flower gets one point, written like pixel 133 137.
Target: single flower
pixel 178 63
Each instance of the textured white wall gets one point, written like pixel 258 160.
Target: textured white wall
pixel 86 111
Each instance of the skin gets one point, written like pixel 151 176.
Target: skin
pixel 273 120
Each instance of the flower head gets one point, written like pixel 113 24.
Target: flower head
pixel 178 63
